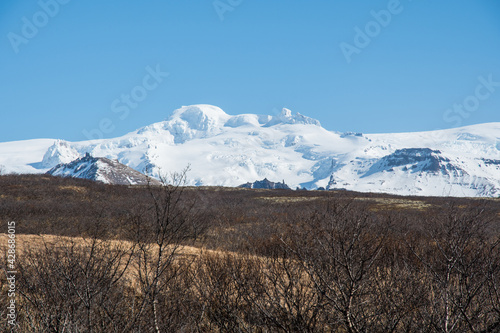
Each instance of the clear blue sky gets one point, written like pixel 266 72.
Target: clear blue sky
pixel 262 56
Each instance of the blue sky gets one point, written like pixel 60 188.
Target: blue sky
pixel 364 66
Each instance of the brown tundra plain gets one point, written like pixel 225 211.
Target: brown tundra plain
pixel 91 257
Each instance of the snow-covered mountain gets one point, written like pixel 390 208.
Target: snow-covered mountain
pixel 227 150
pixel 101 169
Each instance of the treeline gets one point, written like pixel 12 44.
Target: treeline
pixel 333 264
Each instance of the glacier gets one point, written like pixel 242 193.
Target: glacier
pixel 230 150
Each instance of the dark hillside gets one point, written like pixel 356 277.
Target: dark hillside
pixel 42 204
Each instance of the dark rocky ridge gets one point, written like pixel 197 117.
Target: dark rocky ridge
pixel 266 184
pixel 101 169
pixel 416 160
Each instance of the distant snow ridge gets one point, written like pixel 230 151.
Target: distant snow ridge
pixel 202 121
pixel 286 117
pixel 229 150
pixel 60 152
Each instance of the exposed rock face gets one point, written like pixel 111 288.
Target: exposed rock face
pixel 416 160
pixel 103 170
pixel 266 184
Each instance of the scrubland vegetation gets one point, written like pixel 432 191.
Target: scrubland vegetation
pixel 100 258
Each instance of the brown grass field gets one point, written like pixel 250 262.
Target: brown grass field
pixel 98 258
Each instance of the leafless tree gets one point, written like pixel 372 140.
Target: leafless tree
pixel 159 234
pixel 340 248
pixel 74 285
pixel 461 263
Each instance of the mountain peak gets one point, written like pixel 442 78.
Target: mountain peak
pixel 200 116
pixel 287 117
pixel 60 152
pixel 286 113
pixel 101 169
pixel 202 121
pixel 194 121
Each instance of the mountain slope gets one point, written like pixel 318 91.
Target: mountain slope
pixel 227 150
pixel 101 169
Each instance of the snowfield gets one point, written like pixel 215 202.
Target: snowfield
pixel 227 150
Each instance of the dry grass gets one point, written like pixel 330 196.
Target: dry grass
pixel 380 203
pixel 392 203
pixel 281 200
pixel 37 242
pixel 78 189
